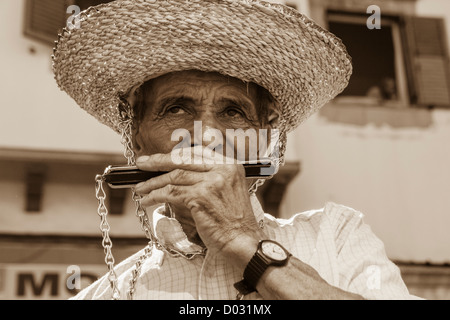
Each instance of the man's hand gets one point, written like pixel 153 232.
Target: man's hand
pixel 214 196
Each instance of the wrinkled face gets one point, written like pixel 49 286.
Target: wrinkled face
pixel 196 101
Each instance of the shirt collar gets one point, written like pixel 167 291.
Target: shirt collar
pixel 170 234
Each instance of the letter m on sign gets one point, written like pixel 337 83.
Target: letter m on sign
pixel 27 279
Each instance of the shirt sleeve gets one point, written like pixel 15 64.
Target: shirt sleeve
pixel 364 267
pixel 101 288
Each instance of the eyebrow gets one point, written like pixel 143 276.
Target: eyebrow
pixel 174 100
pixel 245 103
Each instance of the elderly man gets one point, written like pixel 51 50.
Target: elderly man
pixel 149 68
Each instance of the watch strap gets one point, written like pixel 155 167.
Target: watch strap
pixel 243 287
pixel 252 273
pixel 255 269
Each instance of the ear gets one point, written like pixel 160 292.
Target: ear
pixel 273 117
pixel 136 139
pixel 134 99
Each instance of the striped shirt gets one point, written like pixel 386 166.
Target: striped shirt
pixel 333 240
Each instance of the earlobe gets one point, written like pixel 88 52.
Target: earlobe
pixel 136 141
pixel 273 118
pixel 135 99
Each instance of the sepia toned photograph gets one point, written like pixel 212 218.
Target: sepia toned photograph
pixel 225 150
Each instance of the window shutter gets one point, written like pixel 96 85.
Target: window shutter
pixel 84 4
pixel 428 61
pixel 45 18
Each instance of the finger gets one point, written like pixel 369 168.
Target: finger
pixel 198 158
pixel 172 161
pixel 213 156
pixel 167 194
pixel 175 177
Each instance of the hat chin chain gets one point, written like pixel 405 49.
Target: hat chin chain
pixel 125 125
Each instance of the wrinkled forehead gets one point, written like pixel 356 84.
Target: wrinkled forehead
pixel 197 80
pixel 198 75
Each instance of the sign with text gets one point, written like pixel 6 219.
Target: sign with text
pixel 46 281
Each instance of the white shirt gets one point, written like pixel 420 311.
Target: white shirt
pixel 333 240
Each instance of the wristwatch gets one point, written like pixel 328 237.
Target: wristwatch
pixel 269 253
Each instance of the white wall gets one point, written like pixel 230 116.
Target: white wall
pixel 398 177
pixel 69 205
pixel 34 112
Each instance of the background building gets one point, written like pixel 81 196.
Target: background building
pixel 381 147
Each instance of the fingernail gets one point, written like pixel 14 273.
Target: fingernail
pixel 143 159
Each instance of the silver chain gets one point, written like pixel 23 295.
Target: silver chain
pixel 106 242
pixel 137 271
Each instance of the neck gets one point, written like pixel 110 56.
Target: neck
pixel 183 216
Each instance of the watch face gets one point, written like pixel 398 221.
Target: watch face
pixel 273 251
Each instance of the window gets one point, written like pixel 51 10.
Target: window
pixel 44 19
pixel 372 57
pixel 405 62
pixel 116 200
pixel 84 4
pixel 35 176
pixel 291 4
pixel 378 74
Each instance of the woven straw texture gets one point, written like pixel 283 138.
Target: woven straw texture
pixel 122 44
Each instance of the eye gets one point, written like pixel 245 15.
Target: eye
pixel 233 112
pixel 175 110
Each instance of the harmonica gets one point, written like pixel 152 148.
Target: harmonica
pixel 118 177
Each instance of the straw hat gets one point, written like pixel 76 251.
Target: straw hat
pixel 124 43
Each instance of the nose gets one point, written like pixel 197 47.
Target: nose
pixel 207 134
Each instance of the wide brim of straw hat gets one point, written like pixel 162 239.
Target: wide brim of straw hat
pixel 122 44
